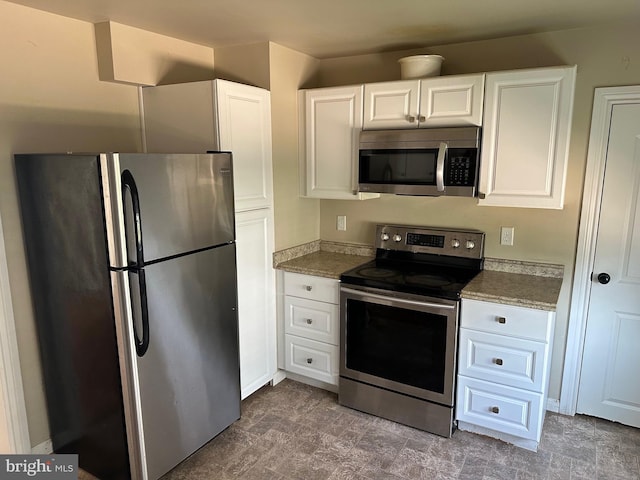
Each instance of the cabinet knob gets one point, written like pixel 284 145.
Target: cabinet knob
pixel 498 361
pixel 308 288
pixel 501 320
pixel 495 410
pixel 411 118
pixel 422 118
pixel 309 321
pixel 309 360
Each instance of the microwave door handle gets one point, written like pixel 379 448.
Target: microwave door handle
pixel 442 153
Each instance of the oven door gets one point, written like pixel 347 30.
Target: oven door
pixel 400 342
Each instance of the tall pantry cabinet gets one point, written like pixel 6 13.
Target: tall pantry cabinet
pixel 222 115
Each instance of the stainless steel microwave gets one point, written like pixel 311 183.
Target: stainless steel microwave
pixel 433 161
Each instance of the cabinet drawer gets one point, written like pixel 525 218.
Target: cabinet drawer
pixel 313 288
pixel 311 359
pixel 311 319
pixel 504 409
pixel 506 360
pixel 506 320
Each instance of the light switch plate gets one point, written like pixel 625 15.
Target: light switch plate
pixel 341 223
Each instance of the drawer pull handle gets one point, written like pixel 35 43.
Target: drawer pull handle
pixel 309 360
pixel 498 361
pixel 309 321
pixel 501 320
pixel 308 288
pixel 495 410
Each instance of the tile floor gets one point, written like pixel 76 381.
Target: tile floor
pixel 293 431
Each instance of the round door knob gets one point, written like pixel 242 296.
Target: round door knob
pixel 397 238
pixel 604 278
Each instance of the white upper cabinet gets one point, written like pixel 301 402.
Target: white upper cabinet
pixel 432 102
pixel 453 101
pixel 391 104
pixel 330 124
pixel 216 115
pixel 525 140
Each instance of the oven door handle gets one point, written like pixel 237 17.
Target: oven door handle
pixel 397 300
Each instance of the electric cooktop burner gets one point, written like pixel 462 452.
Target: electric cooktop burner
pixel 373 272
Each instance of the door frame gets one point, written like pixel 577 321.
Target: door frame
pixel 605 99
pixel 13 416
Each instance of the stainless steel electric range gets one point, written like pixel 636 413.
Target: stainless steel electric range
pixel 399 324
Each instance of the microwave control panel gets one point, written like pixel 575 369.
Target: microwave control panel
pixel 461 171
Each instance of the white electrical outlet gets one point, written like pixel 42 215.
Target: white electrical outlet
pixel 341 223
pixel 506 236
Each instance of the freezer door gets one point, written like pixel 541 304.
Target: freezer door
pixel 189 377
pixel 185 202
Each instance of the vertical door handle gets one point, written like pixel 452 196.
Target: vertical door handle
pixel 129 185
pixel 442 154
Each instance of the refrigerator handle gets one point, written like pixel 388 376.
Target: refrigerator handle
pixel 129 184
pixel 142 344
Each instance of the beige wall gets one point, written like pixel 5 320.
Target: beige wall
pixel 50 100
pixel 604 57
pixel 297 220
pixel 130 55
pixel 244 64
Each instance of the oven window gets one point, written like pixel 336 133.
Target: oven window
pixel 397 344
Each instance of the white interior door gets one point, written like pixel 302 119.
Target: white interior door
pixel 609 386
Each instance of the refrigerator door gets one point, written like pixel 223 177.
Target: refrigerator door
pixel 188 379
pixel 185 201
pixel 62 218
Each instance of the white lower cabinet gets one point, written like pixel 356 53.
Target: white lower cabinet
pixel 503 371
pixel 311 324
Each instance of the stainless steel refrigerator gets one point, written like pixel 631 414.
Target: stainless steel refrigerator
pixel 133 278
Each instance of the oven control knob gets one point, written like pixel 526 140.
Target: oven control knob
pixel 471 244
pixel 384 237
pixel 397 237
pixel 455 243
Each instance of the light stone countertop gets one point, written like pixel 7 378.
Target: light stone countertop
pixel 522 290
pixel 323 259
pixel 323 264
pixel 510 282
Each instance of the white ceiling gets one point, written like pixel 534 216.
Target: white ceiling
pixel 332 28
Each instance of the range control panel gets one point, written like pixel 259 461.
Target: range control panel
pixel 439 241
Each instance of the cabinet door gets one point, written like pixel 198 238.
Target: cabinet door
pixel 256 299
pixel 329 134
pixel 391 104
pixel 451 101
pixel 244 128
pixel 525 142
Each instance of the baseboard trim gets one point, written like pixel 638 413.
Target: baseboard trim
pixel 44 448
pixel 278 377
pixel 553 405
